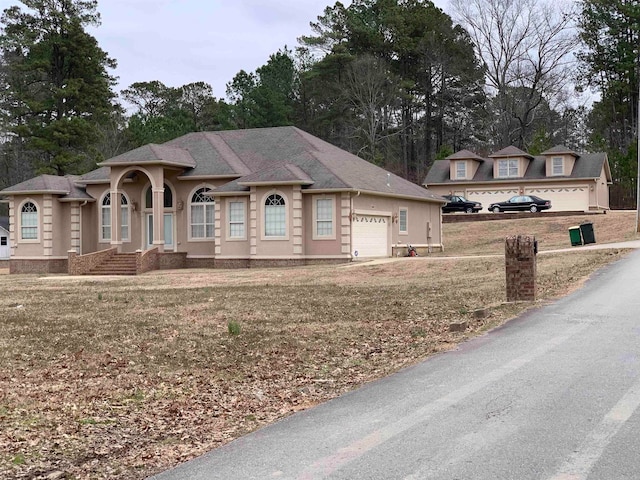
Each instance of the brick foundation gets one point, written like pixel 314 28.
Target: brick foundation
pixel 38 266
pixel 202 263
pixel 172 260
pixel 520 267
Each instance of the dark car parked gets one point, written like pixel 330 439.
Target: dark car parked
pixel 460 204
pixel 521 203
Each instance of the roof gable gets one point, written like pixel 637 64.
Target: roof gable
pixel 465 155
pixel 154 154
pixel 559 150
pixel 510 151
pixel 66 187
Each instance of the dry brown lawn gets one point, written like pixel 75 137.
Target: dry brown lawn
pixel 120 378
pixel 473 238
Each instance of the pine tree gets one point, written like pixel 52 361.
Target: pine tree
pixel 55 86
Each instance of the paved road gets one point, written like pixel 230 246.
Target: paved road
pixel 552 395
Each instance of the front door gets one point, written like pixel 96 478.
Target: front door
pixel 168 231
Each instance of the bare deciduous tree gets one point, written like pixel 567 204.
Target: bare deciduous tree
pixel 372 91
pixel 527 47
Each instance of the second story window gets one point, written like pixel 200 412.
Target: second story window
pixel 461 170
pixel 557 166
pixel 508 168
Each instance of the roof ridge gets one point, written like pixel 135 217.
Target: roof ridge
pixel 220 141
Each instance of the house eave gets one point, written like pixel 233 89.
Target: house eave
pixel 69 200
pixel 214 193
pixel 37 192
pixel 208 177
pixel 162 163
pixel 499 181
pixel 400 195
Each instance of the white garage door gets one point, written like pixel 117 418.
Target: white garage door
pixel 369 236
pixel 488 196
pixel 563 199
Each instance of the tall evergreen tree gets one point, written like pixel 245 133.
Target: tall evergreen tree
pixel 438 74
pixel 611 33
pixel 56 86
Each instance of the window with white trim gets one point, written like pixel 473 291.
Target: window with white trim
pixel 508 168
pixel 105 218
pixel 202 214
pixel 557 166
pixel 237 220
pixel 403 217
pixel 461 169
pixel 29 221
pixel 324 217
pixel 275 216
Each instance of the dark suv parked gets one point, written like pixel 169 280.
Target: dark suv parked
pixel 460 204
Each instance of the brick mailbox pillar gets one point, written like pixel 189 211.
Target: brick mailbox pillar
pixel 520 265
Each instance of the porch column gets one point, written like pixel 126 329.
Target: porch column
pixel 158 218
pixel 116 219
pixel 75 227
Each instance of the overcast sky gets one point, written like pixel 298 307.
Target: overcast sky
pixel 183 41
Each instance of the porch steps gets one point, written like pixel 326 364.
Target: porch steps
pixel 118 264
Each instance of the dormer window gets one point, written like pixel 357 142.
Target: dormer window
pixel 461 170
pixel 557 166
pixel 508 168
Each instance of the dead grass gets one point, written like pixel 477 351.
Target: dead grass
pixel 123 378
pixel 473 238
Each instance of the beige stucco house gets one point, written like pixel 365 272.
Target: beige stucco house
pixel 258 197
pixel 571 181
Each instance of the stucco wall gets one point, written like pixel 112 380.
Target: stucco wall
pixel 419 216
pixel 28 248
pixel 322 246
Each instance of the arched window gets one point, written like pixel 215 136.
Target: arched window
pixel 202 214
pixel 29 221
pixel 105 217
pixel 168 197
pixel 275 215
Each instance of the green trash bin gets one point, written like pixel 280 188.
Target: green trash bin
pixel 575 235
pixel 588 236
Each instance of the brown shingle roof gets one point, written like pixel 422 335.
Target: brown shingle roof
pixel 510 151
pixel 154 154
pixel 465 155
pixel 285 173
pixel 587 166
pixel 279 154
pixel 559 149
pixel 66 187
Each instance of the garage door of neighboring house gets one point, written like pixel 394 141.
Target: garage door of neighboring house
pixel 4 246
pixel 488 196
pixel 370 236
pixel 574 198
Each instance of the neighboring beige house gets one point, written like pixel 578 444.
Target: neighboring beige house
pixel 572 182
pixel 243 198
